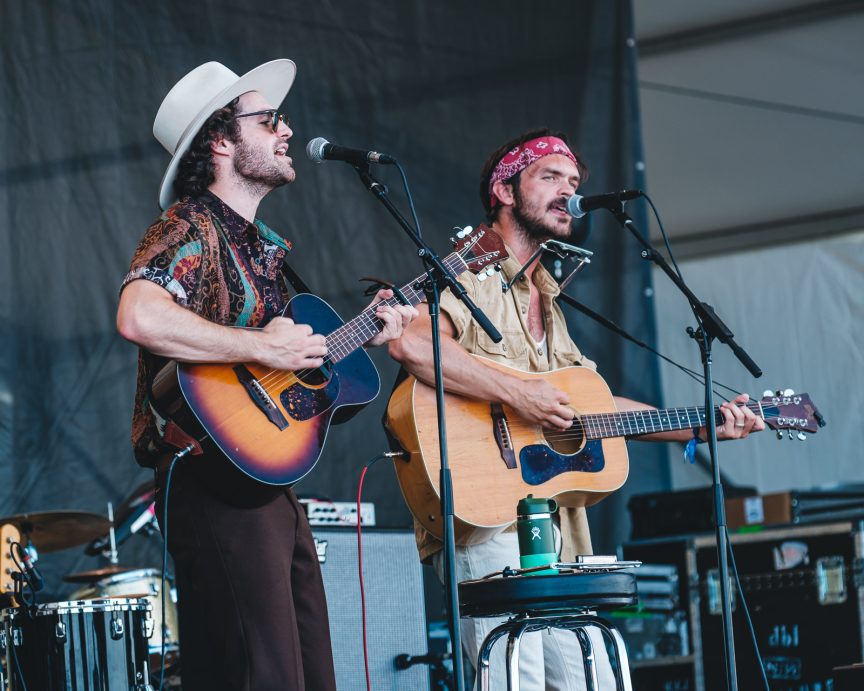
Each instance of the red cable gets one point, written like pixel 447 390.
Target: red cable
pixel 360 574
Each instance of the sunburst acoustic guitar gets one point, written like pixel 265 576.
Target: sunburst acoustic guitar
pixel 272 424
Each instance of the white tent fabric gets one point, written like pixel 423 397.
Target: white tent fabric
pixel 799 311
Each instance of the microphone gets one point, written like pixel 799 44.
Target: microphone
pixel 578 206
pixel 319 149
pixel 33 575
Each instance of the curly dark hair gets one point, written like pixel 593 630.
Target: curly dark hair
pixel 492 161
pixel 196 170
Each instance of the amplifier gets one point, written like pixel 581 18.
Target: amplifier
pixel 395 609
pixel 338 513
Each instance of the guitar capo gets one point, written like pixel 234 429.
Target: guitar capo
pixel 379 283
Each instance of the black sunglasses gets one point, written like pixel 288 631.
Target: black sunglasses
pixel 275 117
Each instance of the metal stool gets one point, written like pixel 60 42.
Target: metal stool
pixel 535 603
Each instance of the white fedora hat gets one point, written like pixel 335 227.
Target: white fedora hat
pixel 202 92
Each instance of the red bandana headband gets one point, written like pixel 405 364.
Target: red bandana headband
pixel 518 159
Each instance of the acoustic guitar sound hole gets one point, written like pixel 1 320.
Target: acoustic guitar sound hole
pixel 569 442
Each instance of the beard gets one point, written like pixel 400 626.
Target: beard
pixel 259 169
pixel 532 222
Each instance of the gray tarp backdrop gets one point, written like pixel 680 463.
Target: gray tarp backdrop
pixel 439 85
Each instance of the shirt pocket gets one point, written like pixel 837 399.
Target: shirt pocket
pixel 512 350
pixel 567 355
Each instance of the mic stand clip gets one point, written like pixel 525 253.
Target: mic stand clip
pixel 562 250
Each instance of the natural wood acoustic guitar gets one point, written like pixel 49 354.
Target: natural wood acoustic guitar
pixel 496 458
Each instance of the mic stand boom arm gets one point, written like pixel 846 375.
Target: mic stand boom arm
pixel 710 327
pixel 438 275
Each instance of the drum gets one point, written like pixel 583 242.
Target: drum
pixel 142 583
pixel 83 645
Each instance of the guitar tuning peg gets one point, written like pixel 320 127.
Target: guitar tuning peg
pixel 788 392
pixel 482 276
pixel 497 267
pixel 790 434
pixel 460 234
pixel 767 393
pixel 779 433
pixel 802 436
pixel 490 270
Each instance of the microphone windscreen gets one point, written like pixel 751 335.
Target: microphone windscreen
pixel 315 149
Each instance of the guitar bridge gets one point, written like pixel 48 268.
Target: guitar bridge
pixel 260 397
pixel 501 430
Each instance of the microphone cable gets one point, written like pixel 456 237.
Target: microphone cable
pixel 410 197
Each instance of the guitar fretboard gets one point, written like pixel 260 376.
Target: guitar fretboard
pixel 365 326
pixel 638 422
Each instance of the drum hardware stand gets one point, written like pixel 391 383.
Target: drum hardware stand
pixel 112 554
pixel 438 277
pixel 709 327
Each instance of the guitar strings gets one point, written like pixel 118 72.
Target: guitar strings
pixel 342 337
pixel 598 423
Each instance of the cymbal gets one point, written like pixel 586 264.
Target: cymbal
pixel 98 574
pixel 51 531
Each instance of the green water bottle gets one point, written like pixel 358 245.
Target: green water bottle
pixel 536 533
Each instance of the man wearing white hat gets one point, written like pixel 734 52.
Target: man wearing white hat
pixel 252 609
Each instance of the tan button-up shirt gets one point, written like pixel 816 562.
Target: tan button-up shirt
pixel 509 313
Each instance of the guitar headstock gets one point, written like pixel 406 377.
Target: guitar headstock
pixel 786 410
pixel 481 249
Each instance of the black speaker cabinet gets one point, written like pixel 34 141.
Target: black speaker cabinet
pixel 395 610
pixel 805 591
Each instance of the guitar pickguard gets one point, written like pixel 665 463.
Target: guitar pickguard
pixel 541 463
pixel 304 403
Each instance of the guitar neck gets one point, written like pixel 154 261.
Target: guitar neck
pixel 365 326
pixel 638 422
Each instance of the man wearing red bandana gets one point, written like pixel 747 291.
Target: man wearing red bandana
pixel 524 189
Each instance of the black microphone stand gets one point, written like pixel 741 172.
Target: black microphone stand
pixel 709 327
pixel 438 276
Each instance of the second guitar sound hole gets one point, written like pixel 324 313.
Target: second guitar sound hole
pixel 568 442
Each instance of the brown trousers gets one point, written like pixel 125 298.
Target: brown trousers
pixel 253 614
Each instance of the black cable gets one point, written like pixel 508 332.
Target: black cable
pixel 29 604
pixel 410 198
pixel 14 544
pixel 17 665
pixel 743 602
pixel 663 235
pixel 177 457
pixel 612 326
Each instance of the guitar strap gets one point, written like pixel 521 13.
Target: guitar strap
pixel 292 279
